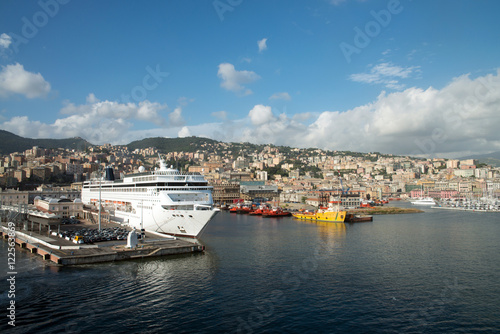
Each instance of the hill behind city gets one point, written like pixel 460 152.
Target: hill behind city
pixel 492 159
pixel 186 144
pixel 10 143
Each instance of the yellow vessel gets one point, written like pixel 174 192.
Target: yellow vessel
pixel 330 214
pixel 323 215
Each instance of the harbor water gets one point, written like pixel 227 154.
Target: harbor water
pixel 431 272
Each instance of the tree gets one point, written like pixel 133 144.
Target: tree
pixel 276 170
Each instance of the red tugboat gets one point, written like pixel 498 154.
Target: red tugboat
pixel 276 212
pixel 260 210
pixel 244 209
pixel 240 209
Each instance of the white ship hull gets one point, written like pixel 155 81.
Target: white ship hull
pixel 185 223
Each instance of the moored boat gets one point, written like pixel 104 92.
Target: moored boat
pixel 276 212
pixel 259 211
pixel 424 201
pixel 326 216
pixel 240 209
pixel 244 210
pixel 354 218
pixel 330 214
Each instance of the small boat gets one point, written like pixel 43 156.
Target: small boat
pixel 325 216
pixel 256 212
pixel 276 212
pixel 366 204
pixel 244 209
pixel 354 218
pixel 330 214
pixel 424 201
pixel 259 211
pixel 240 209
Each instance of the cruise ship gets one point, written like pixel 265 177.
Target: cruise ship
pixel 162 201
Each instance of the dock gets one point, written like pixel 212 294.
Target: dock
pixel 64 252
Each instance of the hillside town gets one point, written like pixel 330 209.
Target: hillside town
pixel 238 173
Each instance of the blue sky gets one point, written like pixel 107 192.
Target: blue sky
pixel 403 77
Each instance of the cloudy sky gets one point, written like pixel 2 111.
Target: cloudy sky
pixel 402 77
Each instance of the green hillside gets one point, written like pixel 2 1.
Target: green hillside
pixel 10 143
pixel 186 144
pixel 492 159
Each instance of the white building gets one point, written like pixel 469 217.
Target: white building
pixel 62 206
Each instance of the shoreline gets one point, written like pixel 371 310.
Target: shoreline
pixel 384 210
pixel 377 210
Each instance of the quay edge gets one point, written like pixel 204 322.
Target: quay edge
pixel 76 255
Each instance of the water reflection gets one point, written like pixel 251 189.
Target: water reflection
pixel 329 232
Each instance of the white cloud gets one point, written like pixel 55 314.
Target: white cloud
pixel 91 98
pixel 411 54
pixel 143 111
pixel 453 121
pixel 22 126
pixel 262 45
pixel 303 117
pixel 234 80
pixel 387 74
pixel 220 114
pixel 97 121
pixel 261 114
pixel 14 79
pixel 175 117
pixel 184 132
pixel 5 41
pixel 461 117
pixel 280 96
pixel 184 101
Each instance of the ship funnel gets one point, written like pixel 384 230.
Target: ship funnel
pixel 109 175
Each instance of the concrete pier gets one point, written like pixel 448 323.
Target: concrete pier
pixel 64 252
